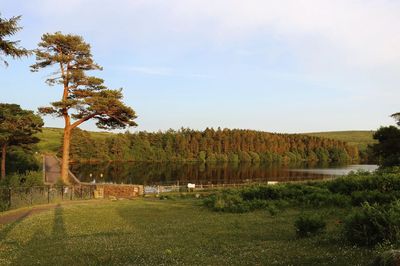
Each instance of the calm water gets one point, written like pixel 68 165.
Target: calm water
pixel 226 173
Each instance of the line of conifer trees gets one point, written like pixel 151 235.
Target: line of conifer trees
pixel 221 145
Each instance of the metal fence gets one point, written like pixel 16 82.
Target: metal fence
pixel 17 197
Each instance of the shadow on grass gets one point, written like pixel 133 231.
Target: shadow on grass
pixel 28 252
pixel 8 228
pixel 58 225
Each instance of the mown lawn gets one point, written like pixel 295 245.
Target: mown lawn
pixel 170 232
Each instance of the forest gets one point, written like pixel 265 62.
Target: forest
pixel 210 145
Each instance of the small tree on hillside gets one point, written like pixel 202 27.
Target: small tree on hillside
pixel 17 127
pixel 83 97
pixel 9 27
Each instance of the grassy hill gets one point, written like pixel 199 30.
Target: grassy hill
pixel 50 139
pixel 359 138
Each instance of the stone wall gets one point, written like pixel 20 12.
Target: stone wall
pixel 118 191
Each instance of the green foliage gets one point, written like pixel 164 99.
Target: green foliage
pixel 21 160
pixel 228 201
pixel 9 27
pixel 86 97
pixel 387 150
pixel 27 179
pixel 382 187
pixel 373 224
pixel 17 128
pixel 202 156
pixel 309 225
pixel 373 196
pixel 385 181
pixel 387 258
pixel 201 146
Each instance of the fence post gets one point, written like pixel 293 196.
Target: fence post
pixel 48 194
pixel 62 192
pixel 71 192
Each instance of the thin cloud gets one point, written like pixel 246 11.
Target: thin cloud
pixel 163 71
pixel 153 71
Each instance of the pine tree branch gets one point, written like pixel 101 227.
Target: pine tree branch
pixel 80 121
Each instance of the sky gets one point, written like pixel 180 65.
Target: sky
pixel 287 66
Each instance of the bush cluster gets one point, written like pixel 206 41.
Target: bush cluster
pixel 28 179
pixel 309 225
pixel 374 217
pixel 382 187
pixel 373 224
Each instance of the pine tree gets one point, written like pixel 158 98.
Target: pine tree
pixel 17 128
pixel 83 97
pixel 9 27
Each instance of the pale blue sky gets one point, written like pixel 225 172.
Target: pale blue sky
pixel 281 66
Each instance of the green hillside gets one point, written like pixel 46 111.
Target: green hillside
pixel 359 138
pixel 50 139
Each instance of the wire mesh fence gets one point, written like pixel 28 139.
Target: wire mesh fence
pixel 17 197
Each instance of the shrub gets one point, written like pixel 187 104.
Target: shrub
pixel 227 201
pixel 372 196
pixel 272 209
pixel 262 193
pixel 29 179
pixel 309 225
pixel 373 224
pixel 388 258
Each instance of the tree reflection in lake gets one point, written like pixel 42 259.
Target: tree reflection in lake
pixel 214 173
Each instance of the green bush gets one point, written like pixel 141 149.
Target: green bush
pixel 262 193
pixel 309 225
pixel 320 199
pixel 388 258
pixel 373 196
pixel 29 179
pixel 227 201
pixel 382 187
pixel 373 224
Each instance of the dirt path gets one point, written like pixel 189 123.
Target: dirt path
pixel 20 214
pixel 52 169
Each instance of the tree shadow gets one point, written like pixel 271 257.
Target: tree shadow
pixel 9 227
pixel 58 225
pixel 28 251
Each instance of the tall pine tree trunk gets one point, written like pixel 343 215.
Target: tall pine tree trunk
pixel 65 155
pixel 3 160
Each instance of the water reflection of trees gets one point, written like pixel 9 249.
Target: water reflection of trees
pixel 170 173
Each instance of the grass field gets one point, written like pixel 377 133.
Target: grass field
pixel 51 138
pixel 359 138
pixel 170 232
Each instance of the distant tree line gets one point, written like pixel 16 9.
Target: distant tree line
pixel 221 145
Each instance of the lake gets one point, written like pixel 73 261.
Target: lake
pixel 214 173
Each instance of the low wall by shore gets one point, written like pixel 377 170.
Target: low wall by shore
pixel 118 191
